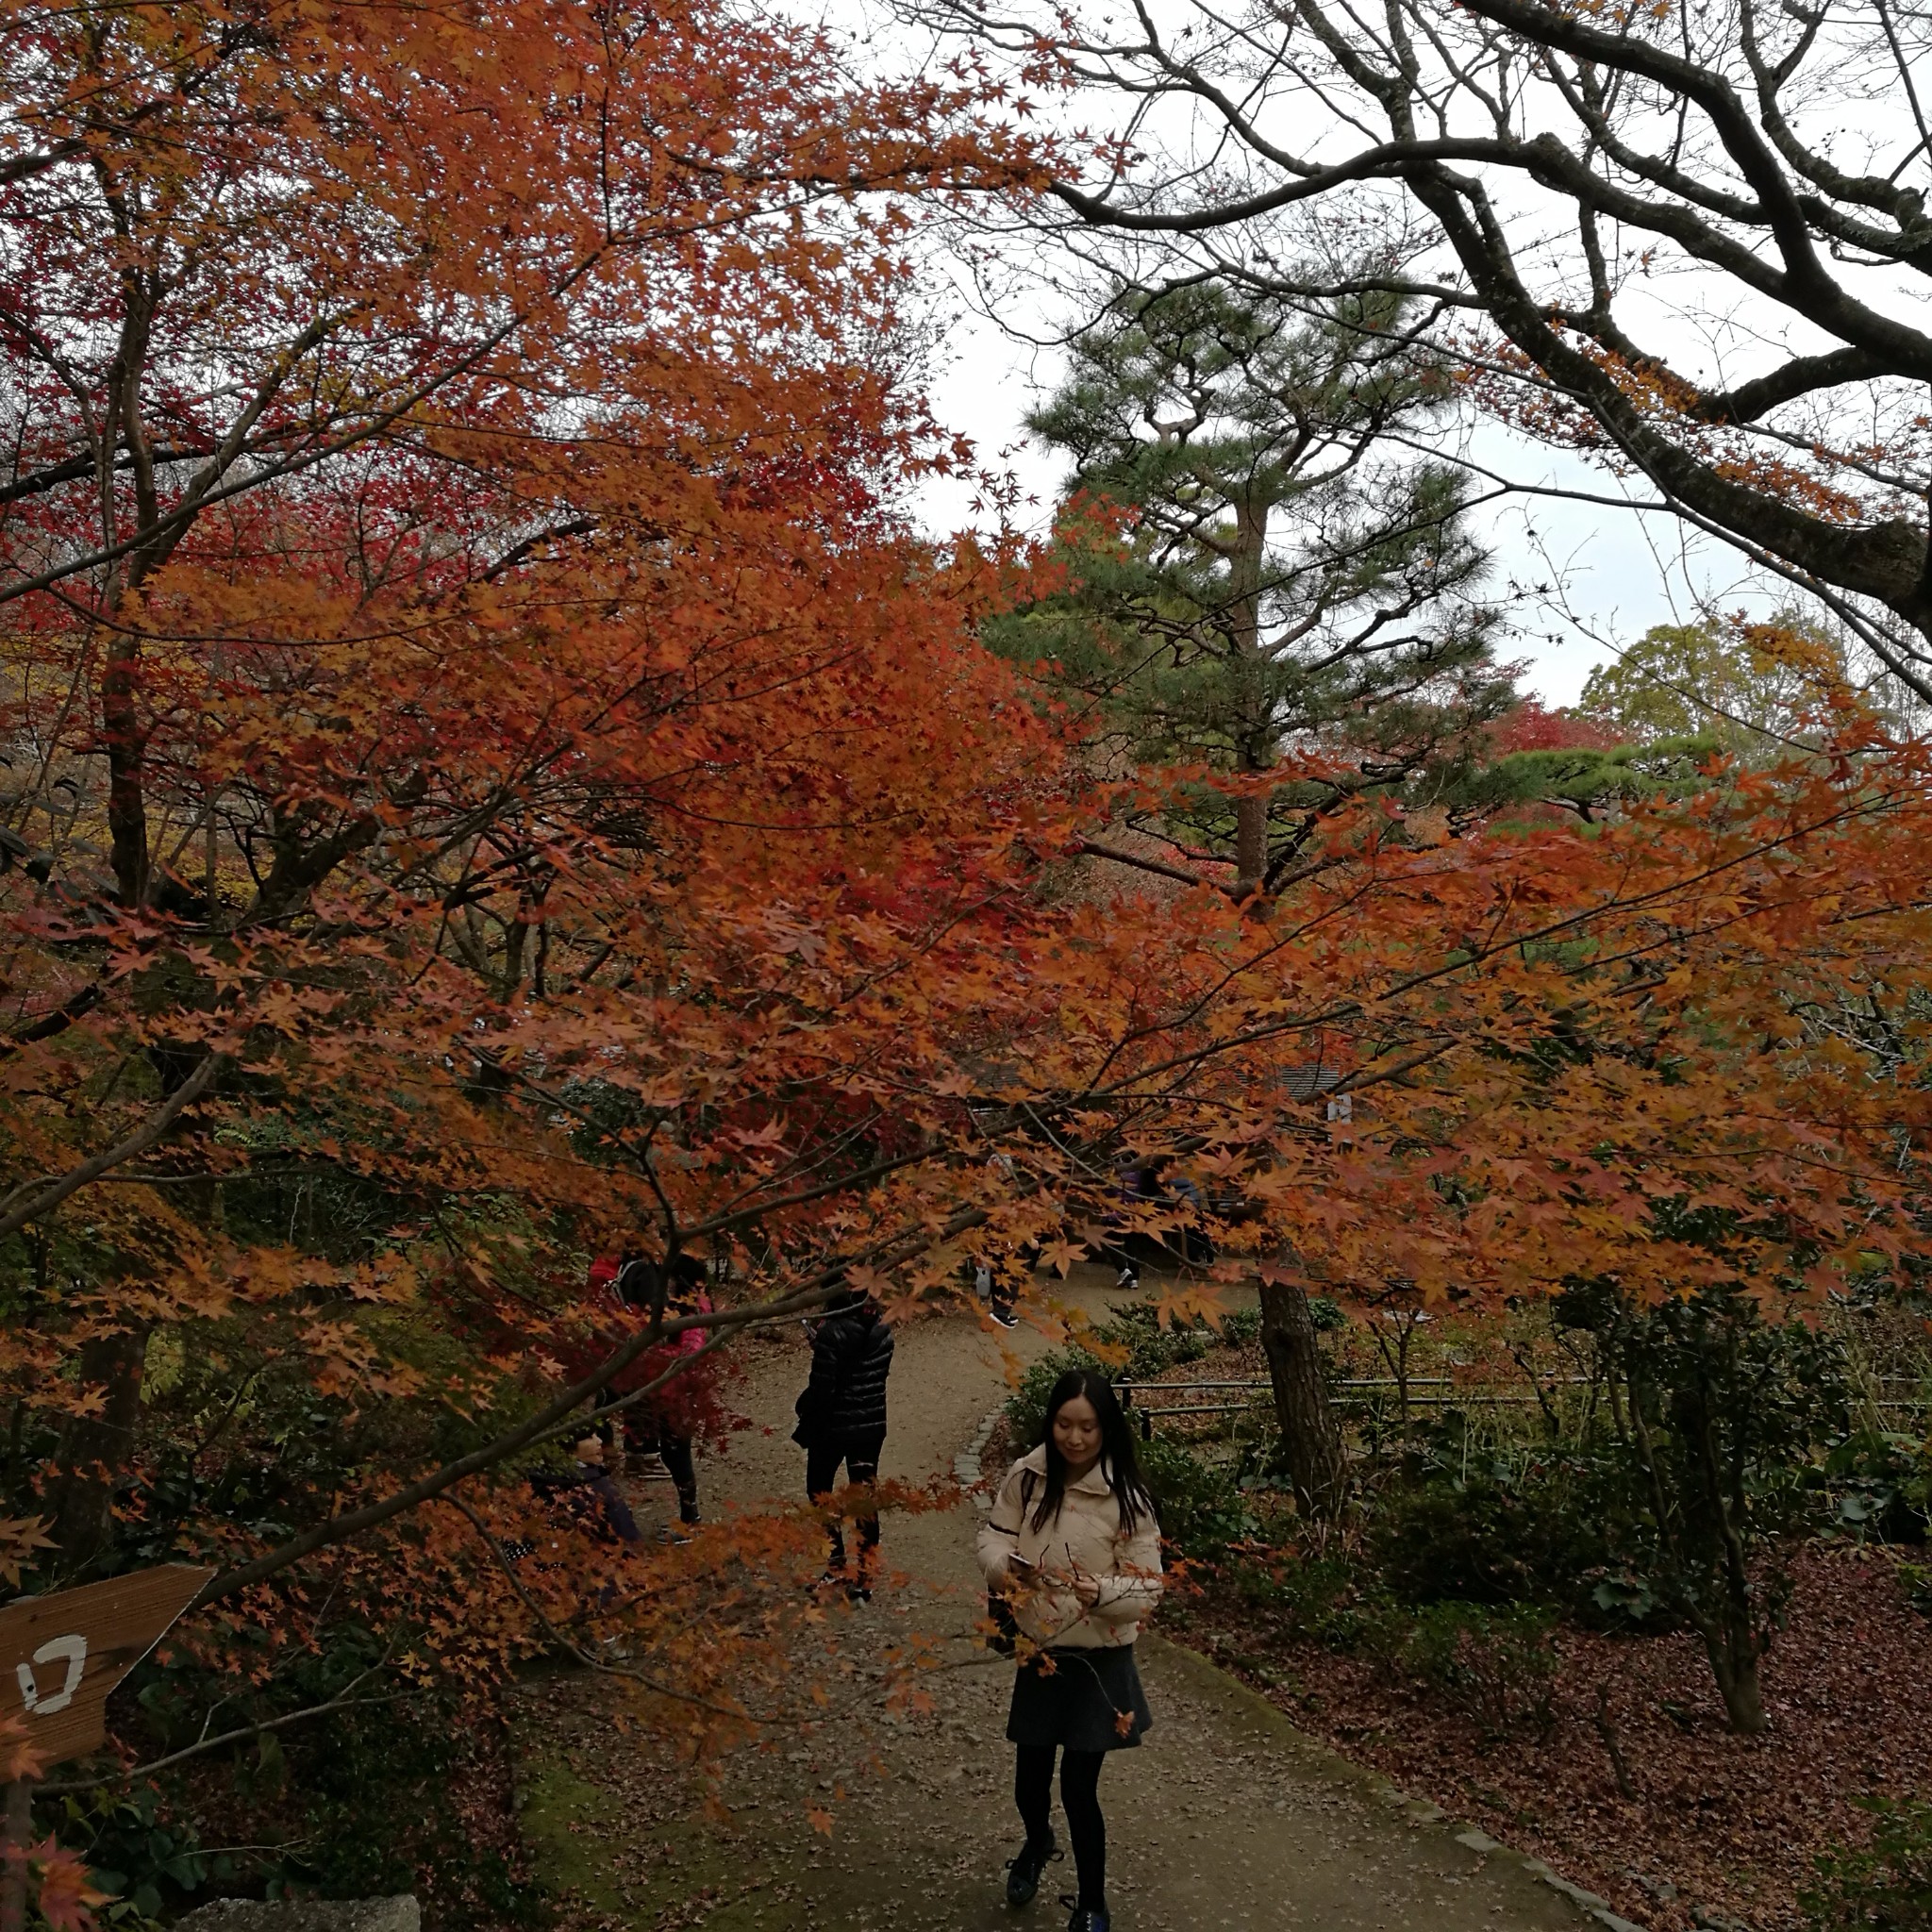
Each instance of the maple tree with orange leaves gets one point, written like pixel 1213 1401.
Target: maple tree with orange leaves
pixel 492 780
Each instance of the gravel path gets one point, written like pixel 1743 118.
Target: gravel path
pixel 1226 1817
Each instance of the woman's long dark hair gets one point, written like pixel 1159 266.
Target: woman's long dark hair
pixel 1118 1462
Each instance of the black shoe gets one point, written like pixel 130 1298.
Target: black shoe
pixel 1004 1317
pixel 1086 1918
pixel 835 1584
pixel 1022 1874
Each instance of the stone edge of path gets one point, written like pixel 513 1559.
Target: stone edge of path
pixel 1322 1762
pixel 966 1464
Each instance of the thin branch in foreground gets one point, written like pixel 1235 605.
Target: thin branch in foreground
pixel 1093 849
pixel 239 1737
pixel 137 1144
pixel 586 1659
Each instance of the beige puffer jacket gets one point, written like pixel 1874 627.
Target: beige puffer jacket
pixel 1083 1536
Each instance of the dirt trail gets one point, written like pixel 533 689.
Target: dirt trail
pixel 1226 1817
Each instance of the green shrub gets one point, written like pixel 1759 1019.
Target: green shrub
pixel 1134 1346
pixel 1025 1407
pixel 1202 1506
pixel 1325 1599
pixel 1540 1530
pixel 1244 1325
pixel 362 1801
pixel 1881 1486
pixel 1499 1666
pixel 1883 1887
pixel 146 1862
pixel 1915 1579
pixel 1727 1404
pixel 1151 1347
pixel 381 1814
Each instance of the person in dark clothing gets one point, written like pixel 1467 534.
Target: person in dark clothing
pixel 996 1277
pixel 1153 1182
pixel 1136 1186
pixel 842 1418
pixel 997 1274
pixel 587 1497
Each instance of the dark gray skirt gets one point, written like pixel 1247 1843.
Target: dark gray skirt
pixel 1086 1700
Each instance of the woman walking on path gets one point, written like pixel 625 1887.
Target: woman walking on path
pixel 1073 1544
pixel 842 1418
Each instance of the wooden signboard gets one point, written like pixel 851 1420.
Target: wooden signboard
pixel 60 1655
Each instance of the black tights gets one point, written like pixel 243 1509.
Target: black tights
pixel 860 1457
pixel 683 1472
pixel 1080 1795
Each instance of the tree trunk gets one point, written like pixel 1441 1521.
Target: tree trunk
pixel 94 1449
pixel 1310 1437
pixel 1251 841
pixel 1735 1667
pixel 126 746
pixel 1254 731
pixel 1735 1656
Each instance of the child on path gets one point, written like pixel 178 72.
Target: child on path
pixel 842 1418
pixel 1073 1544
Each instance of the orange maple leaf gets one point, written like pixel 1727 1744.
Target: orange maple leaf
pixel 67 1895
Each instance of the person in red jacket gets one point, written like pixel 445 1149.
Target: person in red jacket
pixel 668 1421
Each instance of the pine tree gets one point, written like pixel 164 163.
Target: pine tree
pixel 1259 562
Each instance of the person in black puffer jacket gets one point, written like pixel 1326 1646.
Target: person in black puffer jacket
pixel 842 1418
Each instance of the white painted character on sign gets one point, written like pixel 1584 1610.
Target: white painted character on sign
pixel 70 1650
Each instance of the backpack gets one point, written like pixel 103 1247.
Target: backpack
pixel 1005 1639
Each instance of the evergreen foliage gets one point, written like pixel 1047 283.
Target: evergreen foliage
pixel 1258 561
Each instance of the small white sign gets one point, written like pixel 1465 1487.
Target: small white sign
pixel 72 1651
